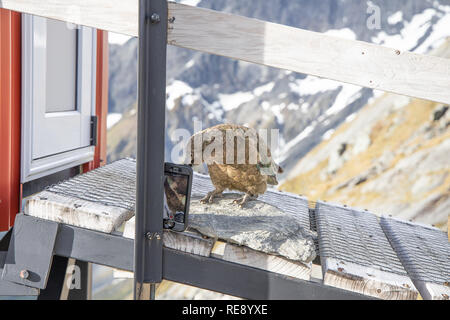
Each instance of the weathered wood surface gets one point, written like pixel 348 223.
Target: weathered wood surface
pixel 368 281
pixel 277 264
pixel 356 255
pixel 188 241
pixel 279 46
pixel 425 254
pixel 265 43
pixel 120 16
pixel 77 212
pixel 259 226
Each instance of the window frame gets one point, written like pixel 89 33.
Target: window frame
pixel 36 168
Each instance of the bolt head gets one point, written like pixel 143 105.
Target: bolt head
pixel 149 236
pixel 24 274
pixel 158 237
pixel 155 18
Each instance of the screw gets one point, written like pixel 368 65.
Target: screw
pixel 158 236
pixel 340 269
pixel 171 19
pixel 155 18
pixel 149 236
pixel 24 274
pixel 378 290
pixel 397 52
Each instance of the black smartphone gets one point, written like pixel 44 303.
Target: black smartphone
pixel 177 196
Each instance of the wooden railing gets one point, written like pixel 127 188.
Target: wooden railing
pixel 265 43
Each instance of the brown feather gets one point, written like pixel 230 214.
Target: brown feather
pixel 248 177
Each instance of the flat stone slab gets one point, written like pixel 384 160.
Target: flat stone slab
pixel 259 226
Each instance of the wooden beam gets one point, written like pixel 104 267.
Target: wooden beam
pixel 279 46
pixel 265 43
pixel 264 261
pixel 368 281
pixel 120 16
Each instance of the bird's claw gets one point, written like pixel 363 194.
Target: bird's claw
pixel 206 200
pixel 240 202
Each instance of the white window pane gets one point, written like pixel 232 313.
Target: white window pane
pixel 61 72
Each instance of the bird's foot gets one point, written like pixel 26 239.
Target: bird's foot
pixel 242 201
pixel 210 197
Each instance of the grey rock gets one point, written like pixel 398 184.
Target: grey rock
pixel 259 226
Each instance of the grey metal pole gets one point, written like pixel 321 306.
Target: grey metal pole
pixel 150 145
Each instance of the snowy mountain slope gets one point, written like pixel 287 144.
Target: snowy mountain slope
pixel 391 158
pixel 304 108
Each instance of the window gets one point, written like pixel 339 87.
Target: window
pixel 58 95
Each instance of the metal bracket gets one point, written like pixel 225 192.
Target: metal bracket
pixel 13 289
pixel 94 124
pixel 30 252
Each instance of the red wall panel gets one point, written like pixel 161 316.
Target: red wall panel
pixel 10 94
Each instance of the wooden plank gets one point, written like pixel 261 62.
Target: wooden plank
pixel 433 291
pixel 119 16
pixel 77 212
pixel 424 252
pixel 264 261
pixel 356 255
pixel 284 47
pixel 270 44
pixel 188 241
pixel 367 281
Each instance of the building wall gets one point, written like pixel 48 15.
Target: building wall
pixel 10 117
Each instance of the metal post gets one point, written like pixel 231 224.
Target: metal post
pixel 150 145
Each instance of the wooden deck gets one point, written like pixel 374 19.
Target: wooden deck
pixel 358 251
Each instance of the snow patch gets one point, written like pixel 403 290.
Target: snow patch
pixel 312 85
pixel 395 18
pixel 305 107
pixel 293 106
pixel 234 100
pixel 441 30
pixel 410 34
pixel 189 64
pixel 348 94
pixel 286 148
pixel 112 119
pixel 263 89
pixel 276 109
pixel 176 90
pixel 327 135
pixel 350 118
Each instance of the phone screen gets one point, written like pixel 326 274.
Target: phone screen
pixel 176 195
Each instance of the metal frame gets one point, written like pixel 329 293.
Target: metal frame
pixel 203 272
pixel 150 146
